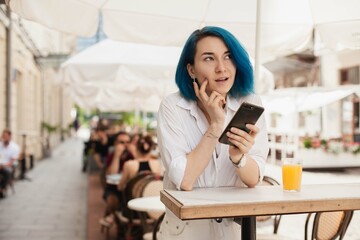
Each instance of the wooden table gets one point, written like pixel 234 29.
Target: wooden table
pixel 208 203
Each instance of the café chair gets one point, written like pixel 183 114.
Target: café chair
pixel 128 220
pixel 328 225
pixel 156 227
pixel 269 181
pixel 153 189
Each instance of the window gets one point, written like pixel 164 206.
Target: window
pixel 350 75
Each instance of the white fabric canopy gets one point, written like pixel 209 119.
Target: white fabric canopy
pixel 114 75
pixel 292 100
pixel 133 67
pixel 120 76
pixel 112 99
pixel 286 25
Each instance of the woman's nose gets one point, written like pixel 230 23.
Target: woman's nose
pixel 220 67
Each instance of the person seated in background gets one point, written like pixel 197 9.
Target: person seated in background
pixel 89 150
pixel 114 165
pixel 9 154
pixel 102 146
pixel 143 162
pixel 134 139
pixel 123 151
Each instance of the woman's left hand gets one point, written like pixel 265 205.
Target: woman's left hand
pixel 242 141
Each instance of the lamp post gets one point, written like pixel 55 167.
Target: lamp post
pixel 8 69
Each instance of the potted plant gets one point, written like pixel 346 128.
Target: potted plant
pixel 50 129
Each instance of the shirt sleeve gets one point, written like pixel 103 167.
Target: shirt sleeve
pixel 260 149
pixel 15 153
pixel 172 142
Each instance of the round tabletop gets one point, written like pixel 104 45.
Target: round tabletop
pixel 113 179
pixel 147 204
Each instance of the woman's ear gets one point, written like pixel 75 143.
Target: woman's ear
pixel 190 70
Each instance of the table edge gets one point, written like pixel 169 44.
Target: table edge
pixel 248 209
pixel 171 203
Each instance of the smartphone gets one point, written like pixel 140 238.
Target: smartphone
pixel 247 113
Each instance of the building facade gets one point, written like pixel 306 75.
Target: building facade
pixel 35 96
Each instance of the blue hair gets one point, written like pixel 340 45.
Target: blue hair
pixel 244 78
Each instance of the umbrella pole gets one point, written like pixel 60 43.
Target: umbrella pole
pixel 144 121
pixel 257 46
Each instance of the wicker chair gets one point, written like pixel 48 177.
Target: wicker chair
pixel 329 225
pixel 153 189
pixel 127 219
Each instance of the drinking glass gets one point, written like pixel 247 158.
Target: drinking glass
pixel 291 174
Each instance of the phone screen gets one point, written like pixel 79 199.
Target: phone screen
pixel 247 113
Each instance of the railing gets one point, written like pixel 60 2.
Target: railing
pixel 282 144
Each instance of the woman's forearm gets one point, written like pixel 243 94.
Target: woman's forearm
pixel 249 174
pixel 114 166
pixel 199 158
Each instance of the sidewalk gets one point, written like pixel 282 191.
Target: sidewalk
pixel 54 204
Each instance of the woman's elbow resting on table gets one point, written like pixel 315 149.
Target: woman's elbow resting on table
pixel 186 186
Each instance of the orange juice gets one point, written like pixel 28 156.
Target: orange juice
pixel 291 176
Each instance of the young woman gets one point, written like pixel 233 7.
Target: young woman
pixel 214 76
pixel 142 163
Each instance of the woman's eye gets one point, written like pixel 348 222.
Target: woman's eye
pixel 208 58
pixel 228 56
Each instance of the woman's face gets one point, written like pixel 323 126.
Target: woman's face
pixel 213 63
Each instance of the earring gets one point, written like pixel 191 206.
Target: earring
pixel 194 79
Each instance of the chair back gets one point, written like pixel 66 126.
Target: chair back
pixel 128 192
pixel 153 188
pixel 269 181
pixel 329 225
pixel 139 186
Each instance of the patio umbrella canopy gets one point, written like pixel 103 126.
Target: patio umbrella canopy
pixel 293 100
pixel 286 26
pixel 114 99
pixel 114 75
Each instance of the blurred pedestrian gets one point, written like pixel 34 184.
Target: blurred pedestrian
pixel 9 154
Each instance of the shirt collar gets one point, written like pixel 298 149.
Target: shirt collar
pixel 232 103
pixel 187 104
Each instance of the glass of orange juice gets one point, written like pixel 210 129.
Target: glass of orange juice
pixel 291 174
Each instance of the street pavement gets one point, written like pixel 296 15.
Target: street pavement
pixel 53 205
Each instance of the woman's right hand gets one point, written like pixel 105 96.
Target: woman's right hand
pixel 213 104
pixel 119 149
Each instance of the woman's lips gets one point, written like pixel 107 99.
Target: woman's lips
pixel 222 79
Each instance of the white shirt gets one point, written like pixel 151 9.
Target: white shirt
pixel 181 125
pixel 11 151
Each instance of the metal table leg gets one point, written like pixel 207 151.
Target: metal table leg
pixel 248 227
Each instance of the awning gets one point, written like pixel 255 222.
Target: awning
pixel 292 100
pixel 286 26
pixel 114 75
